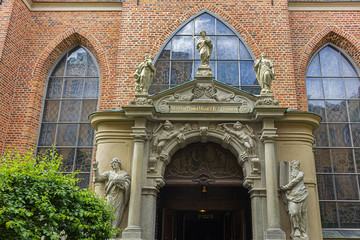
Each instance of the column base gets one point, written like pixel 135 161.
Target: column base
pixel 132 233
pixel 274 234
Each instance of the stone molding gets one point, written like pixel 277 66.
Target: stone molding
pixel 323 6
pixel 77 6
pixel 183 133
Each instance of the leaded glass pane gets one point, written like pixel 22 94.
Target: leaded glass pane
pixel 357 159
pixel 321 136
pixel 228 71
pixel 162 73
pixel 91 88
pixel 68 155
pixel 47 134
pixel 182 47
pixel 88 107
pixel 343 160
pixel 76 63
pixel 352 86
pixel 339 135
pixel 314 68
pixel 348 70
pixel 60 68
pixel 346 187
pixel 86 135
pixel 165 54
pixel 349 215
pixel 330 62
pixel 322 160
pixel 333 88
pixel 181 72
pixel 336 111
pixel 66 135
pixel 51 111
pixel 328 215
pixel 355 131
pixel 314 88
pixel 326 187
pixel 84 180
pixel 252 90
pixel 73 88
pixel 205 22
pixel 318 107
pixel 244 53
pixel 54 88
pixel 91 69
pixel 354 111
pixel 222 29
pixel 247 74
pixel 83 159
pixel 224 44
pixel 70 111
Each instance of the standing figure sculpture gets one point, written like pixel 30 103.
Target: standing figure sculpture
pixel 245 134
pixel 264 70
pixel 144 75
pixel 117 189
pixel 296 195
pixel 205 48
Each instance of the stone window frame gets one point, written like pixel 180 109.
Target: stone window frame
pixel 82 183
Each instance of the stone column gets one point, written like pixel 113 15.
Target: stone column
pixel 149 212
pixel 272 199
pixel 133 230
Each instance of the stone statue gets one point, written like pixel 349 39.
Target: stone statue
pixel 264 70
pixel 205 48
pixel 245 134
pixel 117 189
pixel 164 133
pixel 144 75
pixel 296 195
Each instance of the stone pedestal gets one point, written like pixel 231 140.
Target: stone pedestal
pixel 204 71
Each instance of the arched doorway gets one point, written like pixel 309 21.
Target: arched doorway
pixel 203 197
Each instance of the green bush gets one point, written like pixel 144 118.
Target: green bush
pixel 39 202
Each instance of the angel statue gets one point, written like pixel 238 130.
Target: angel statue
pixel 205 48
pixel 144 75
pixel 166 132
pixel 245 134
pixel 264 70
pixel 117 188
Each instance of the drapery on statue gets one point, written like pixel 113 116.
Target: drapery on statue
pixel 245 134
pixel 296 195
pixel 144 75
pixel 205 48
pixel 264 70
pixel 117 189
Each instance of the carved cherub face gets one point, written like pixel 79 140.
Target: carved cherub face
pixel 237 126
pixel 168 126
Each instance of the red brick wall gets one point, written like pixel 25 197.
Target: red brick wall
pixel 14 25
pixel 118 40
pixel 312 30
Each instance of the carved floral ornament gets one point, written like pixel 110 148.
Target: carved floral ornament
pixel 167 135
pixel 203 97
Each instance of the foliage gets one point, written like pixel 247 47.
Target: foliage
pixel 37 201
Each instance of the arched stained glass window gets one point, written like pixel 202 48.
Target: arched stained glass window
pixel 333 92
pixel 231 60
pixel 71 95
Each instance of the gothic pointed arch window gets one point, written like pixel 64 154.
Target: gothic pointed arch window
pixel 333 92
pixel 71 95
pixel 231 60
